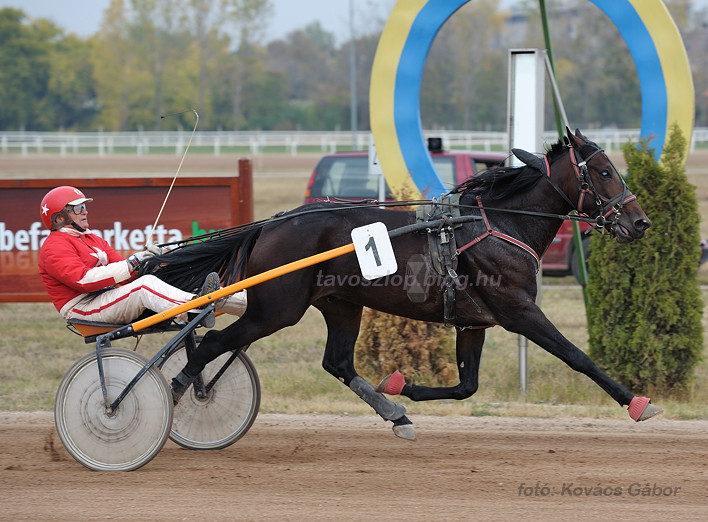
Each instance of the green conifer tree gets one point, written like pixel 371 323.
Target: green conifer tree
pixel 644 301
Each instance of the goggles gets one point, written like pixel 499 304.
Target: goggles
pixel 77 209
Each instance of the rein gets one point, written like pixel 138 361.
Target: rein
pixel 348 205
pixel 285 215
pixel 585 187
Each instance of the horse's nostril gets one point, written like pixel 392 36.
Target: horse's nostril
pixel 642 224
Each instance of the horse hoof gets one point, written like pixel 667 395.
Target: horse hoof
pixel 649 412
pixel 392 384
pixel 641 409
pixel 404 431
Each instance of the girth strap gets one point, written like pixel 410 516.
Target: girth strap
pixel 443 252
pixel 500 235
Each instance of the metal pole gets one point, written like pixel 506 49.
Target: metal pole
pixel 560 115
pixel 523 364
pixel 352 76
pixel 525 123
pixel 549 52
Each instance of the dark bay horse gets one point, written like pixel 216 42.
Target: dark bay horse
pixel 502 245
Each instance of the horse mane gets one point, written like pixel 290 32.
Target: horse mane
pixel 503 182
pixel 500 182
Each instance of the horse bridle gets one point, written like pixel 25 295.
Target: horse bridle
pixel 607 206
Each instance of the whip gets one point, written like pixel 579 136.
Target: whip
pixel 148 240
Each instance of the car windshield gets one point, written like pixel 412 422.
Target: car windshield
pixel 445 167
pixel 348 177
pixel 345 177
pixel 482 165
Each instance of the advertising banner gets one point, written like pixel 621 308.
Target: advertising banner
pixel 123 212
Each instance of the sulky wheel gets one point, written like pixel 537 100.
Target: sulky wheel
pixel 132 435
pixel 225 413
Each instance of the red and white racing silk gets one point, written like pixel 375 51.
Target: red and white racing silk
pixel 73 264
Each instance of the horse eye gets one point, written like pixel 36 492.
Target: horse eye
pixel 605 174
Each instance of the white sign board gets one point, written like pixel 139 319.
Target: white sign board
pixel 374 251
pixel 526 101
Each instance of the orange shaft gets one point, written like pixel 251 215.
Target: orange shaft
pixel 245 283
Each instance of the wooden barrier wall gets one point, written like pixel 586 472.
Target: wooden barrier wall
pixel 123 212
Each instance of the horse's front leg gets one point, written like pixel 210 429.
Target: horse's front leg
pixel 343 322
pixel 533 324
pixel 468 347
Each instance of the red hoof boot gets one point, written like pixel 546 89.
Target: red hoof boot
pixel 641 408
pixel 393 384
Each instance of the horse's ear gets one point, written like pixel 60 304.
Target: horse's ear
pixel 575 140
pixel 569 136
pixel 530 159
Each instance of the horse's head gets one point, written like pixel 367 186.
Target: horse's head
pixel 601 192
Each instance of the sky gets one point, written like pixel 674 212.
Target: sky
pixel 83 17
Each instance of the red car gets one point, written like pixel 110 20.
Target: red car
pixel 559 259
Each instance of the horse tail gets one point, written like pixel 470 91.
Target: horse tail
pixel 187 266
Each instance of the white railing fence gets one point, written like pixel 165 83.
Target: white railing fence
pixel 245 142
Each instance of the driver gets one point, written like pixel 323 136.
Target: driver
pixel 86 279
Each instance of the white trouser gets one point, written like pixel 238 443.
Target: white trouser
pixel 123 304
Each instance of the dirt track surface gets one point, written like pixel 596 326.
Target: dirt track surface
pixel 87 165
pixel 325 467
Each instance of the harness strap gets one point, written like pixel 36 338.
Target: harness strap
pixel 500 235
pixel 621 199
pixel 613 204
pixel 583 185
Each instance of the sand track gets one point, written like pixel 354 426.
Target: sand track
pixel 327 467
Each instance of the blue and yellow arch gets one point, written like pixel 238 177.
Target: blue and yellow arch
pixel 663 70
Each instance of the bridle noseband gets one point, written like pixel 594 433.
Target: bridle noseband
pixel 606 206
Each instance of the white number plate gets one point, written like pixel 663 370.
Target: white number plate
pixel 374 251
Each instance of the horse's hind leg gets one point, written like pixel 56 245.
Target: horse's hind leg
pixel 469 345
pixel 343 321
pixel 263 317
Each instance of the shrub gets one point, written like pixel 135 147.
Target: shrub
pixel 644 301
pixel 423 352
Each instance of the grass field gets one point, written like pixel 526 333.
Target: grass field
pixel 37 350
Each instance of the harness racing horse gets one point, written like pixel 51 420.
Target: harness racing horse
pixel 514 214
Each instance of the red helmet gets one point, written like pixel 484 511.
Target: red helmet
pixel 56 199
